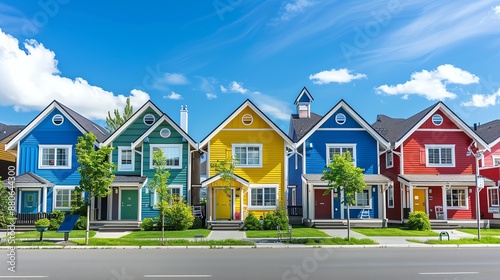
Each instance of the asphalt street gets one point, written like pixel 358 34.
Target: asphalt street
pixel 297 263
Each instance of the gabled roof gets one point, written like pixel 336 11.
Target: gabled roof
pixel 218 177
pixel 245 104
pixel 397 131
pixel 353 114
pixel 8 130
pixel 302 125
pixel 31 178
pixel 302 92
pixel 131 120
pixel 163 118
pixel 80 122
pixel 490 132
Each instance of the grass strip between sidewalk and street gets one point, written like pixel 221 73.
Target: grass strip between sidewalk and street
pixel 177 242
pixel 54 234
pixel 392 231
pixel 484 240
pixel 296 232
pixel 190 233
pixel 333 241
pixel 485 232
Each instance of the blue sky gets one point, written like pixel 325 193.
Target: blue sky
pixel 382 57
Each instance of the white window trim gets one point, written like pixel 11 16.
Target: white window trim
pixel 40 154
pixel 151 148
pixel 262 186
pixel 427 147
pixel 493 158
pixel 155 195
pixel 125 167
pixel 293 191
pixel 341 145
pixel 466 191
pixel 390 190
pixel 369 189
pixel 387 165
pixel 247 146
pixel 54 196
pixel 488 195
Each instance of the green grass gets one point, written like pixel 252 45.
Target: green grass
pixel 296 232
pixel 333 241
pixel 30 243
pixel 190 233
pixel 178 242
pixel 485 232
pixel 54 234
pixel 400 231
pixel 484 240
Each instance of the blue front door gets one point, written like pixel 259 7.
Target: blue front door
pixel 29 202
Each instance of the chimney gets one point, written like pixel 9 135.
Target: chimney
pixel 475 126
pixel 184 118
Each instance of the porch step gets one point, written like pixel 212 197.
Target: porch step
pixel 331 224
pixel 24 228
pixel 115 226
pixel 437 224
pixel 225 225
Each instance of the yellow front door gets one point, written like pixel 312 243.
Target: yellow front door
pixel 223 206
pixel 419 200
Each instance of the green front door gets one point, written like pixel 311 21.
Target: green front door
pixel 29 202
pixel 129 205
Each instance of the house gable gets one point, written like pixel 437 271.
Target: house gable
pixel 337 121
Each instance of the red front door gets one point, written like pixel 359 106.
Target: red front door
pixel 322 205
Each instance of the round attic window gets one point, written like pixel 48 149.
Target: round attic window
pixel 57 119
pixel 437 119
pixel 247 119
pixel 340 118
pixel 149 119
pixel 165 133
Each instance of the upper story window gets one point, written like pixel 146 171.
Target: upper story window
pixel 165 133
pixel 457 198
pixel 248 155
pixel 440 155
pixel 172 152
pixel 125 159
pixel 54 157
pixel 340 118
pixel 437 119
pixel 390 196
pixel 247 119
pixel 496 160
pixel 57 119
pixel 149 119
pixel 340 149
pixel 389 159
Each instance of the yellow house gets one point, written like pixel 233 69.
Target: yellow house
pixel 259 149
pixel 7 158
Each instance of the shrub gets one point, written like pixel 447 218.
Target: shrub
pixel 57 217
pixel 198 223
pixel 147 224
pixel 42 222
pixel 419 220
pixel 81 223
pixel 251 222
pixel 277 218
pixel 179 216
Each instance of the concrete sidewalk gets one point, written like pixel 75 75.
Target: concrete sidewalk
pixel 226 234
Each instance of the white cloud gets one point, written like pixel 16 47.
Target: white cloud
pixel 211 96
pixel 223 89
pixel 30 80
pixel 173 96
pixel 237 87
pixel 175 79
pixel 496 10
pixel 335 76
pixel 294 7
pixel 482 100
pixel 431 84
pixel 272 107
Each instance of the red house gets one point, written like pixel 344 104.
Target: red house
pixel 431 164
pixel 490 168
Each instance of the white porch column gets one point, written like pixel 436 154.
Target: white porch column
pixel 445 206
pixel 411 199
pixel 310 205
pixel 209 203
pixel 241 204
pixel 305 201
pixel 342 205
pixel 383 204
pixel 139 208
pixel 44 204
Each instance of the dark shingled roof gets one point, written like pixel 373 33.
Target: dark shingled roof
pixel 88 125
pixel 489 131
pixel 394 129
pixel 8 130
pixel 129 179
pixel 31 178
pixel 302 126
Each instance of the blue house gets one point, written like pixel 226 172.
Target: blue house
pixel 317 139
pixel 147 130
pixel 46 165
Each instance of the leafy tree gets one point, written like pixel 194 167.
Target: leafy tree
pixel 343 175
pixel 225 168
pixel 113 122
pixel 95 171
pixel 159 185
pixel 6 217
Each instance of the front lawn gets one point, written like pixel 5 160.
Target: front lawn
pixel 394 231
pixel 486 232
pixel 54 234
pixel 190 233
pixel 334 241
pixel 484 240
pixel 296 232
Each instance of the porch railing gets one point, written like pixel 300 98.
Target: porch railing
pixel 30 218
pixel 295 211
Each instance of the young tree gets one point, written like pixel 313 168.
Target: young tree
pixel 226 170
pixel 95 171
pixel 5 213
pixel 159 185
pixel 113 122
pixel 343 175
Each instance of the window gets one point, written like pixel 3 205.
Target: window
pixel 339 149
pixel 54 157
pixel 389 159
pixel 62 198
pixel 363 199
pixel 149 119
pixel 175 192
pixel 456 198
pixel 248 155
pixel 496 160
pixel 390 196
pixel 165 133
pixel 57 119
pixel 263 196
pixel 340 118
pixel 437 119
pixel 493 199
pixel 125 159
pixel 247 119
pixel 172 152
pixel 440 155
pixel 292 195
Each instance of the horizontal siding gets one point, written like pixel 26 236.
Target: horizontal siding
pixel 258 122
pixel 295 176
pixel 349 123
pixel 488 156
pixel 447 123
